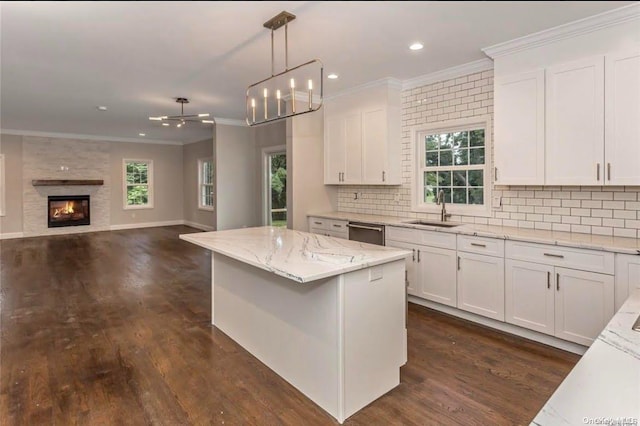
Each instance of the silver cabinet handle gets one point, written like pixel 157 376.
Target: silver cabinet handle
pixel 337 226
pixel 458 263
pixel 495 176
pixel 383 176
pixel 418 255
pixel 598 172
pixel 559 256
pixel 370 228
pixel 413 256
pixel 478 245
pixel 558 281
pixel 548 279
pixel 609 171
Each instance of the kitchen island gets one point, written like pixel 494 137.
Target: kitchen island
pixel 327 315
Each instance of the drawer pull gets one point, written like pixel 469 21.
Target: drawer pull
pixel 418 256
pixel 458 263
pixel 559 256
pixel 318 223
pixel 479 245
pixel 548 279
pixel 337 226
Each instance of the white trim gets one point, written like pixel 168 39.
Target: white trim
pixel 3 191
pixel 502 326
pixel 266 199
pixel 11 235
pixel 150 200
pixel 561 32
pixel 199 226
pixel 390 82
pixel 480 65
pixel 483 210
pixel 230 122
pixel 146 225
pixel 200 184
pixel 85 137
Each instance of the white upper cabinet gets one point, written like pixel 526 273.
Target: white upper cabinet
pixel 622 118
pixel 362 137
pixel 574 153
pixel 519 129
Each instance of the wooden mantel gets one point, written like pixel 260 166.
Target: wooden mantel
pixel 65 182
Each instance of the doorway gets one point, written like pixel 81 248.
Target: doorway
pixel 275 186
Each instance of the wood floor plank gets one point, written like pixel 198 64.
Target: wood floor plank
pixel 114 328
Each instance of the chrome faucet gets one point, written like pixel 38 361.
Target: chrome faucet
pixel 440 200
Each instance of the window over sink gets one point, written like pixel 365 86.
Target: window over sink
pixel 453 157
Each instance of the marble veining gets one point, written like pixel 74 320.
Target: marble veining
pixel 606 381
pixel 558 238
pixel 299 256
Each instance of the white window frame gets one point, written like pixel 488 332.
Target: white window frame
pixel 150 179
pixel 418 133
pixel 2 187
pixel 202 206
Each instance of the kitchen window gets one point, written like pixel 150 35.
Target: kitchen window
pixel 453 158
pixel 137 184
pixel 205 184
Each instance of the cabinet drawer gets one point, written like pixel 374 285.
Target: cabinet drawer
pixel 586 260
pixel 337 226
pixel 417 236
pixel 480 245
pixel 318 223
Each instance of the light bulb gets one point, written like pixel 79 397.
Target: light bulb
pixel 293 84
pixel 265 93
pixel 253 103
pixel 310 84
pixel 277 94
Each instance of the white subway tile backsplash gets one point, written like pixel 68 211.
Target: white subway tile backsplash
pixel 587 209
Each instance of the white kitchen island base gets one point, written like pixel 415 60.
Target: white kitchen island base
pixel 338 340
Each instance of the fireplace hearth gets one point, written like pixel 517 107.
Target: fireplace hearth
pixel 68 210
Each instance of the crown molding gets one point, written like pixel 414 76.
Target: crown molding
pixel 230 122
pixel 561 32
pixel 390 82
pixel 484 64
pixel 85 137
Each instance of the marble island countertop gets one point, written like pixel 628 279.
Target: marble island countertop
pixel 565 239
pixel 299 256
pixel 605 384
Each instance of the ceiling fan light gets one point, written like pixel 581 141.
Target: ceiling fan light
pixel 208 121
pixel 165 124
pixel 203 115
pixel 155 118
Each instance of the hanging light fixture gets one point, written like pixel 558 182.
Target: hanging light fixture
pixel 183 119
pixel 283 94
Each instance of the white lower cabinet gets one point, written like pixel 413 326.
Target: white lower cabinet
pixel 437 270
pixel 329 227
pixel 570 304
pixel 627 277
pixel 411 267
pixel 481 284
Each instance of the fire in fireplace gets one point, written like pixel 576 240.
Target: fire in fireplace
pixel 68 210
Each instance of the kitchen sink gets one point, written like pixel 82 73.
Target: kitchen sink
pixel 429 223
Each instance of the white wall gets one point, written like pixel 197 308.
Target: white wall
pixel 236 168
pixel 11 147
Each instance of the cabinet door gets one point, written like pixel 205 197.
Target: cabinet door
pixel 411 266
pixel 437 272
pixel 574 150
pixel 374 148
pixel 529 295
pixel 519 129
pixel 584 304
pixel 627 277
pixel 481 285
pixel 622 118
pixel 353 148
pixel 334 149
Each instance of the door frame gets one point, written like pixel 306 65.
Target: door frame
pixel 265 182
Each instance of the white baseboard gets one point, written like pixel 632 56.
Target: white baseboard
pixel 146 225
pixel 502 326
pixel 11 235
pixel 199 226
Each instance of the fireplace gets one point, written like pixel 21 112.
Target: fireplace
pixel 68 210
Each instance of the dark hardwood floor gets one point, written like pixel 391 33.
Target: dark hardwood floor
pixel 114 328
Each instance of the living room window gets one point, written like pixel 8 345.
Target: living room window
pixel 138 184
pixel 454 158
pixel 205 184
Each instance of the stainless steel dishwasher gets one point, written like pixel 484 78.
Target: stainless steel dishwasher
pixel 366 233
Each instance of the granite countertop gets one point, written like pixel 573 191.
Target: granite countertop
pixel 565 239
pixel 299 256
pixel 605 384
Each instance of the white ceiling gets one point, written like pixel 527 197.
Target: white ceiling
pixel 59 60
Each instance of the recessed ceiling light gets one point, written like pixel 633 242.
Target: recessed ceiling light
pixel 142 134
pixel 416 46
pixel 101 108
pixel 332 76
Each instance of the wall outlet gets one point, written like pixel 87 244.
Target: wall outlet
pixel 496 202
